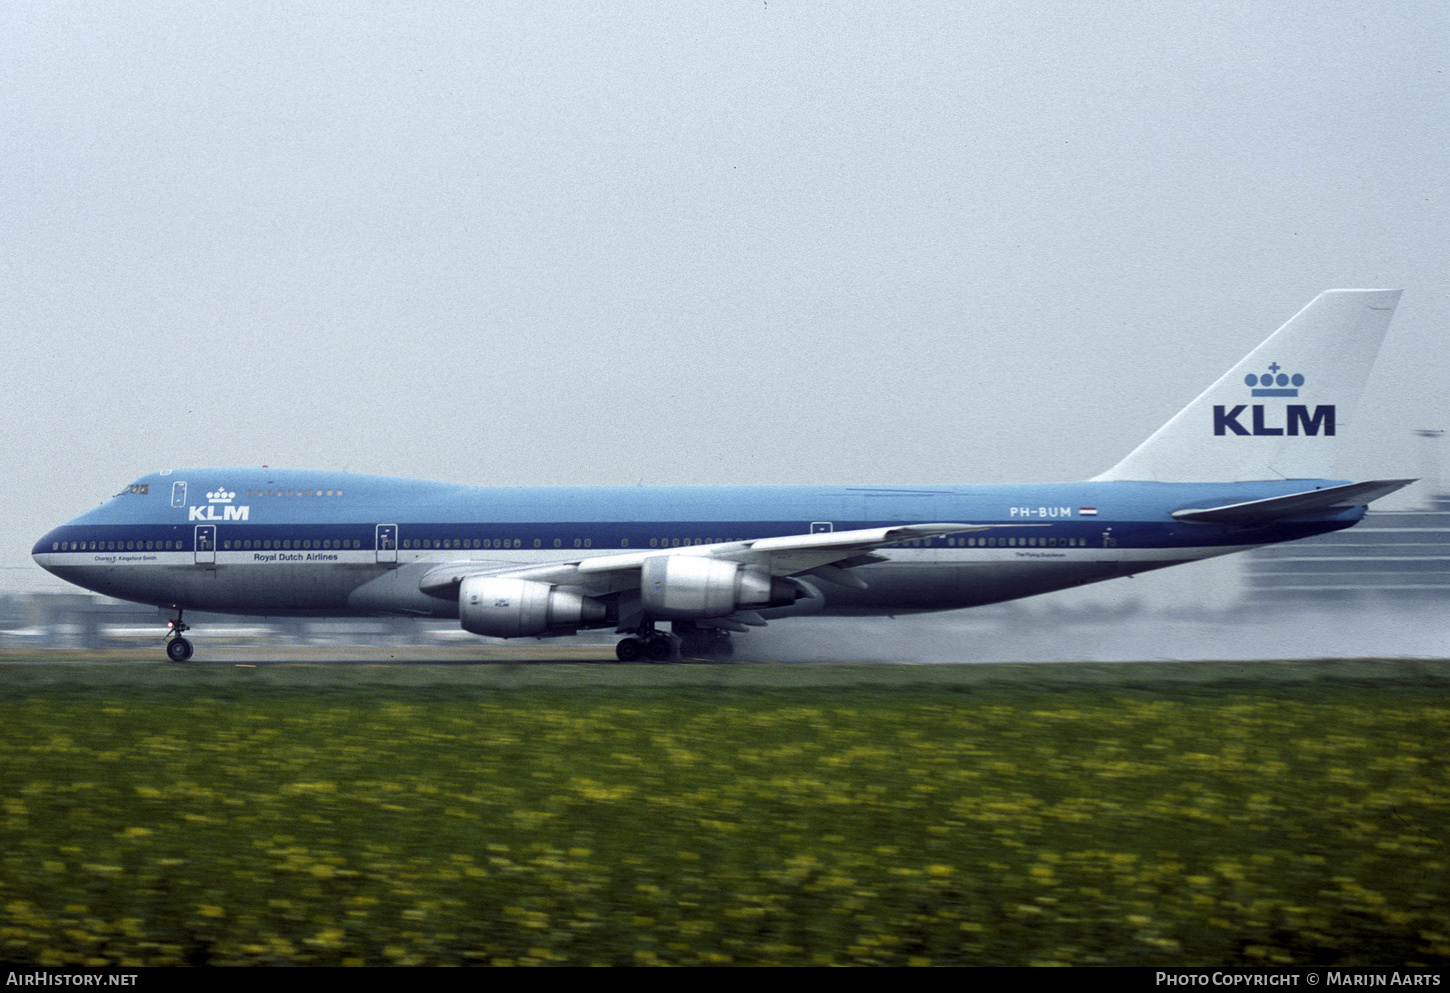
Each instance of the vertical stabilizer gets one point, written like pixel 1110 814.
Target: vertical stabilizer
pixel 1278 414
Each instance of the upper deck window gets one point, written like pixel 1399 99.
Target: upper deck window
pixel 258 492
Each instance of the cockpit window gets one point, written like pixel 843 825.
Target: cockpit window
pixel 140 488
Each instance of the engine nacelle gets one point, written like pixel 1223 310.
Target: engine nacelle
pixel 517 608
pixel 684 587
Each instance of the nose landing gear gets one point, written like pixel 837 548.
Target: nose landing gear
pixel 178 649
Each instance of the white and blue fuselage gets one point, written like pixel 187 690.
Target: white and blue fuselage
pixel 317 543
pixel 1241 466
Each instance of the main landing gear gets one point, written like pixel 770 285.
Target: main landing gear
pixel 178 649
pixel 648 644
pixel 688 641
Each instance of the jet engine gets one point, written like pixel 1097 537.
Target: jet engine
pixel 516 608
pixel 685 587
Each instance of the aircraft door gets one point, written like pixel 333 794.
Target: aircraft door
pixel 205 544
pixel 1109 552
pixel 387 542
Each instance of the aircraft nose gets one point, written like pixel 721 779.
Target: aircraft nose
pixel 43 550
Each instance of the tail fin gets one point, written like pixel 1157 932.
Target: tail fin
pixel 1279 413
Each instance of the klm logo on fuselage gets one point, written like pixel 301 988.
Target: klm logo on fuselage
pixel 1297 418
pixel 220 500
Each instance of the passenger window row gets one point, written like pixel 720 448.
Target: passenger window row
pixel 422 543
pixel 1035 542
pixel 117 546
pixel 293 492
pixel 465 543
pixel 289 544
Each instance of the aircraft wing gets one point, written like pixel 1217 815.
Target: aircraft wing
pixel 822 554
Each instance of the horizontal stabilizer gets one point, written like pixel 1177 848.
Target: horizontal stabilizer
pixel 1327 500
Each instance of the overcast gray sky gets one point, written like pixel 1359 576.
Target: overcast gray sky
pixel 753 242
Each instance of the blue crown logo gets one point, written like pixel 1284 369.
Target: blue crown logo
pixel 1274 383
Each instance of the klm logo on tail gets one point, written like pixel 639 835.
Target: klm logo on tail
pixel 1298 419
pixel 1226 420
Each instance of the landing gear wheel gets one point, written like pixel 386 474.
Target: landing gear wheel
pixel 178 649
pixel 658 649
pixel 629 650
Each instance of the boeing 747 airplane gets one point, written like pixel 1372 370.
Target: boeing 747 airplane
pixel 1243 465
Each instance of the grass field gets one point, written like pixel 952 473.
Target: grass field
pixel 1190 813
